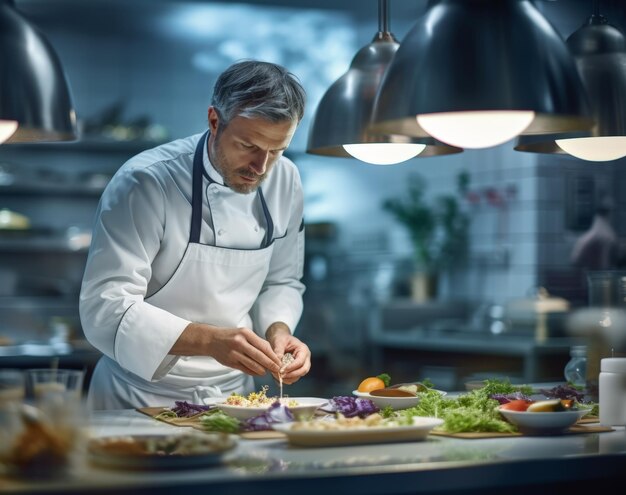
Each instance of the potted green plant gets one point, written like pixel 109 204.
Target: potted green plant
pixel 438 230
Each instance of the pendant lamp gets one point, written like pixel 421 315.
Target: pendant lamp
pixel 476 73
pixel 35 102
pixel 600 51
pixel 339 127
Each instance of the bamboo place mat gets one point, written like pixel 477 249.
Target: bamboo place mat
pixel 585 425
pixel 194 422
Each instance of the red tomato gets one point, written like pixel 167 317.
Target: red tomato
pixel 516 405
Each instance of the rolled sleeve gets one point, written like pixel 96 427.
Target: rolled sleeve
pixel 144 337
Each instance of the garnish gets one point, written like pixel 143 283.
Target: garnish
pixel 275 414
pixel 385 378
pixel 216 420
pixel 350 407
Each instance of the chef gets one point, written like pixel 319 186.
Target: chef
pixel 193 281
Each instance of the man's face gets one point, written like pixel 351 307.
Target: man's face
pixel 245 150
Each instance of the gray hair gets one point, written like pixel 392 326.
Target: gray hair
pixel 254 89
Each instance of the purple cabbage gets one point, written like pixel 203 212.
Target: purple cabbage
pixel 276 413
pixel 351 406
pixel 504 398
pixel 184 409
pixel 563 392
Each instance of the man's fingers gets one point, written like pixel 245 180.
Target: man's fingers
pixel 260 351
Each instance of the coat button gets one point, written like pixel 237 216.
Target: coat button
pixel 221 232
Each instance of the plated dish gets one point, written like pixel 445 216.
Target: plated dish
pixel 543 423
pixel 156 452
pixel 323 433
pixel 305 408
pixel 393 402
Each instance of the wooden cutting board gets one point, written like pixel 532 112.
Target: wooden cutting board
pixel 194 422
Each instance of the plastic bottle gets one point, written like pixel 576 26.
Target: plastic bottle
pixel 576 369
pixel 612 388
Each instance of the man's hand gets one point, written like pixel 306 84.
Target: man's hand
pixel 280 338
pixel 238 348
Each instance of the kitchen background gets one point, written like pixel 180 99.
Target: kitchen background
pixel 141 72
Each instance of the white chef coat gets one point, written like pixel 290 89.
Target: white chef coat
pixel 141 235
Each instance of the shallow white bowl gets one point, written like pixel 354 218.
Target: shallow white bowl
pixel 393 402
pixel 543 423
pixel 304 410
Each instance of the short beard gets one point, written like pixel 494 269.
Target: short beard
pixel 221 164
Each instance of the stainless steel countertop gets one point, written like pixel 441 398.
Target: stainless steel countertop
pixel 442 463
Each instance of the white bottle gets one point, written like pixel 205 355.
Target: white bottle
pixel 612 391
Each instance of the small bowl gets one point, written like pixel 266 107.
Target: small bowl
pixel 305 410
pixel 393 402
pixel 543 423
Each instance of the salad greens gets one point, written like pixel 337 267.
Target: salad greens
pixel 216 420
pixel 471 412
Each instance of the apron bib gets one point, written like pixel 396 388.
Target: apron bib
pixel 211 285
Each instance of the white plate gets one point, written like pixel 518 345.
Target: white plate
pixel 394 402
pixel 130 451
pixel 306 408
pixel 543 423
pixel 361 435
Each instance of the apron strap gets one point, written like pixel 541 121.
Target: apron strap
pixel 269 232
pixel 196 191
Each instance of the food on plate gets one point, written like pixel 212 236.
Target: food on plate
pixel 277 413
pixel 183 409
pixel 343 423
pixel 167 445
pixel 413 388
pixel 400 390
pixel 552 405
pixel 216 420
pixel 373 383
pixel 351 406
pixel 258 399
pixel 392 392
pixel 516 405
pixel 564 392
pixel 472 412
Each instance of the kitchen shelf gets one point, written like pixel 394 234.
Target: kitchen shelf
pixel 39 245
pixel 50 190
pixel 90 144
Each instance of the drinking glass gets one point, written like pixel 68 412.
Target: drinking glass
pixel 44 381
pixel 12 385
pixel 11 399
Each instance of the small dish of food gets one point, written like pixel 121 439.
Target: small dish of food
pixel 543 417
pixel 394 397
pixel 157 452
pixel 256 403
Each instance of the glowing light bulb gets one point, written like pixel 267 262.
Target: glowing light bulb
pixel 7 128
pixel 595 149
pixel 475 129
pixel 384 153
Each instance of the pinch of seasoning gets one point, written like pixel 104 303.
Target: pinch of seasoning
pixel 287 359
